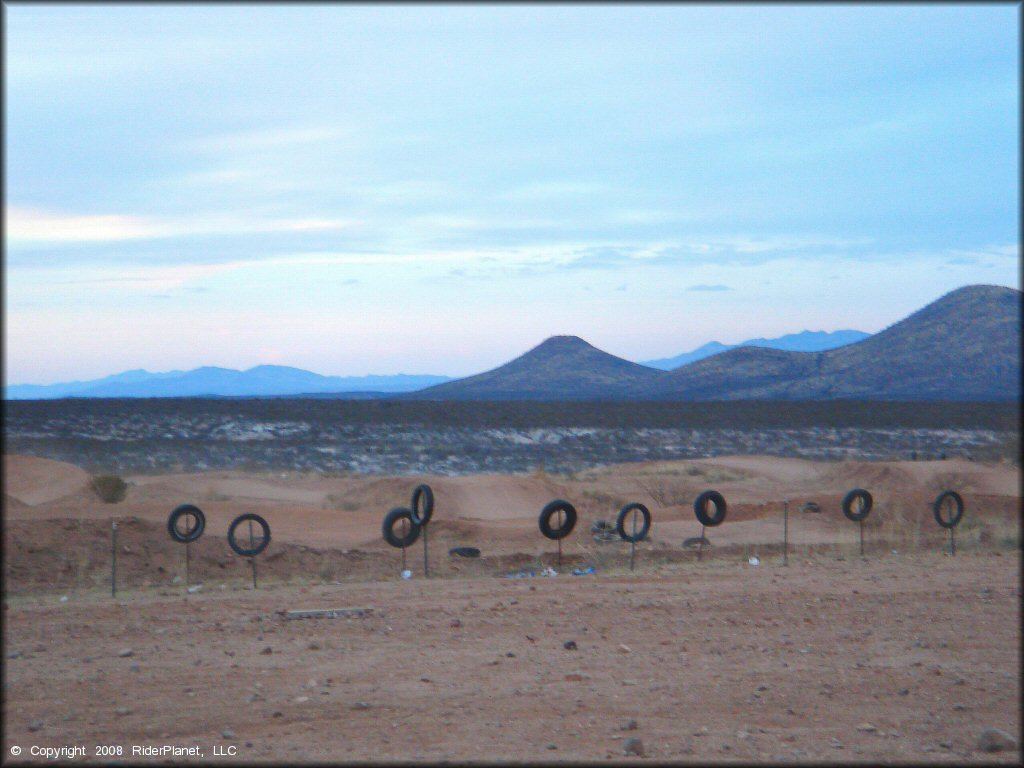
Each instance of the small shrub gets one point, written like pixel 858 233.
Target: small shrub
pixel 110 488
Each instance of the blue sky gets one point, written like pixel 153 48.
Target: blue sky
pixel 435 189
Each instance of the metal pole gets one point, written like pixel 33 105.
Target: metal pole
pixel 785 532
pixel 559 541
pixel 952 543
pixel 700 545
pixel 862 538
pixel 252 560
pixel 632 543
pixel 405 531
pixel 113 558
pixel 426 569
pixel 188 549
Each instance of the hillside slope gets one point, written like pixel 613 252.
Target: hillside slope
pixel 963 346
pixel 560 368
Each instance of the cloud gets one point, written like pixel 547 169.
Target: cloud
pixel 267 138
pixel 23 224
pixel 546 191
pixel 704 287
pixel 26 226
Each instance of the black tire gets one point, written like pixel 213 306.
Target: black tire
pixel 696 541
pixel 259 546
pixel 391 520
pixel 192 534
pixel 620 522
pixel 958 503
pixel 423 496
pixel 464 552
pixel 549 511
pixel 700 508
pixel 866 503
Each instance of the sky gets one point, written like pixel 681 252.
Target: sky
pixel 380 189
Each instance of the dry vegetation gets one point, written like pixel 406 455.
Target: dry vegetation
pixel 387 437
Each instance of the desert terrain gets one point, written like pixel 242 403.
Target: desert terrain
pixel 906 654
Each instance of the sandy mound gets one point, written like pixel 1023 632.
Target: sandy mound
pixel 495 497
pixel 35 481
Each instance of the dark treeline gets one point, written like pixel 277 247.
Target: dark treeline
pixel 1002 416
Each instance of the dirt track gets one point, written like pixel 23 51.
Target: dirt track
pixel 895 657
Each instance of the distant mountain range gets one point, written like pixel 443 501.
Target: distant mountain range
pixel 261 381
pixel 805 341
pixel 963 346
pixel 284 381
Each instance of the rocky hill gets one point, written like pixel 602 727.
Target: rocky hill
pixel 561 368
pixel 963 346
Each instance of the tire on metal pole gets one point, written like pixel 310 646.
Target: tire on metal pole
pixel 190 534
pixel 259 545
pixel 866 502
pixel 700 508
pixel 422 506
pixel 549 511
pixel 620 522
pixel 391 520
pixel 958 505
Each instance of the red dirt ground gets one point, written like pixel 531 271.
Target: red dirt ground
pixel 894 657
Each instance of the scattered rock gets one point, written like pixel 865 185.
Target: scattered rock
pixel 13 654
pixel 866 728
pixel 904 691
pixel 125 653
pixel 552 746
pixel 762 687
pixel 630 725
pixel 623 648
pixel 633 746
pixel 267 651
pixel 314 646
pixel 996 740
pixel 254 697
pixel 510 655
pixel 122 711
pixel 361 705
pixel 135 668
pixel 301 699
pixel 569 645
pixel 36 725
pixel 227 733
